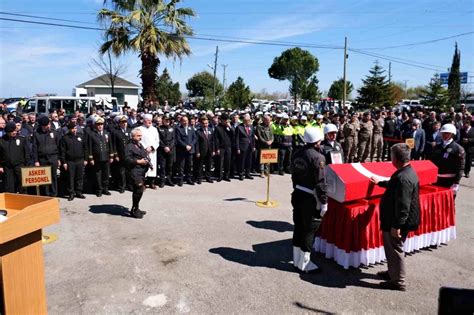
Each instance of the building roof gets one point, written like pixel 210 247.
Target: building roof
pixel 104 81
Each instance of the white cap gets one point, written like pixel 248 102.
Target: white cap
pixel 304 118
pixel 148 116
pixel 312 135
pixel 285 116
pixel 279 115
pixel 448 128
pixel 319 116
pixel 311 112
pixel 330 128
pixel 258 113
pixel 294 117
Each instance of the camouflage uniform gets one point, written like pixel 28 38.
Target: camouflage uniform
pixel 365 140
pixel 377 140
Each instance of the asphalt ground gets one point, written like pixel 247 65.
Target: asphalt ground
pixel 208 249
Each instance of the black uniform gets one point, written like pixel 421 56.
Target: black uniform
pixel 308 175
pixel 450 161
pixel 46 152
pixel 166 159
pixel 224 136
pixel 120 140
pixel 205 150
pixel 133 153
pixel 73 152
pixel 14 154
pixel 184 159
pixel 101 151
pixel 328 150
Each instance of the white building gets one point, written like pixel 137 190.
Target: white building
pixel 100 88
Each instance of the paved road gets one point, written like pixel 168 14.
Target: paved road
pixel 209 250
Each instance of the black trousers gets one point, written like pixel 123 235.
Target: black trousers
pixel 12 179
pixel 387 146
pixel 305 218
pixel 467 167
pixel 203 162
pixel 102 173
pixel 184 160
pixel 166 161
pixel 50 190
pixel 223 165
pixel 75 177
pixel 284 159
pixel 244 162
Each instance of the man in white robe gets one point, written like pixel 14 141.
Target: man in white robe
pixel 151 142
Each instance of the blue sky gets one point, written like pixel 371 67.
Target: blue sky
pixel 39 59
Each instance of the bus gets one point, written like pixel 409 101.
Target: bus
pixel 70 104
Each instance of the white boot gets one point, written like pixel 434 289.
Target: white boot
pixel 305 262
pixel 296 256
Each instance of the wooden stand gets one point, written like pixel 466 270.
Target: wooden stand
pixel 21 252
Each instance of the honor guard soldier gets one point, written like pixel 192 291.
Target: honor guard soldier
pixel 73 157
pixel 46 152
pixel 138 162
pixel 100 156
pixel 166 152
pixel 330 148
pixel 121 137
pixel 309 199
pixel 449 157
pixel 14 154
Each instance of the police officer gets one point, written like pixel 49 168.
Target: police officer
pixel 101 154
pixel 309 199
pixel 449 157
pixel 138 163
pixel 330 148
pixel 166 152
pixel 46 152
pixel 14 154
pixel 121 137
pixel 73 157
pixel 285 145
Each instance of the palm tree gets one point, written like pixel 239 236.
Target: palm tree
pixel 150 27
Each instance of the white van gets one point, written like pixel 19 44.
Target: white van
pixel 44 104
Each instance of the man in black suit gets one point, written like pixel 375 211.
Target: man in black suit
pixel 185 149
pixel 121 137
pixel 205 151
pixel 467 142
pixel 224 135
pixel 418 135
pixel 245 144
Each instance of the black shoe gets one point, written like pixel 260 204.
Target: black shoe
pixel 281 173
pixel 383 275
pixel 136 213
pixel 199 182
pixel 392 286
pixel 227 179
pixel 80 196
pixel 107 193
pixel 161 184
pixel 241 177
pixel 70 198
pixel 98 194
pixel 209 180
pixel 219 180
pixel 248 177
pixel 466 175
pixel 169 182
pixel 190 182
pixel 121 190
pixel 180 184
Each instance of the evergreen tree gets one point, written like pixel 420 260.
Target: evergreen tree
pixel 336 90
pixel 238 94
pixel 454 82
pixel 375 91
pixel 166 90
pixel 311 91
pixel 437 97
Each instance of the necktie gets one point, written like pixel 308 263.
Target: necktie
pixel 205 133
pixel 186 130
pixel 248 130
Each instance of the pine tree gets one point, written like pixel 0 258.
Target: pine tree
pixel 454 82
pixel 166 90
pixel 437 97
pixel 238 94
pixel 311 91
pixel 375 91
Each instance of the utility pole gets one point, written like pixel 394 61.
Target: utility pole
pixel 344 75
pixel 406 91
pixel 389 72
pixel 215 72
pixel 223 78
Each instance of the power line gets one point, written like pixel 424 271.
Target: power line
pixel 419 43
pixel 46 18
pixel 400 59
pixel 53 24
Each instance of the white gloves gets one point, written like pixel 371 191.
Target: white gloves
pixel 455 188
pixel 324 209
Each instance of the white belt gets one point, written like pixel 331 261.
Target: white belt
pixel 446 175
pixel 306 190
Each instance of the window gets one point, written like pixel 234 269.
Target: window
pixel 55 104
pixel 30 106
pixel 69 106
pixel 41 108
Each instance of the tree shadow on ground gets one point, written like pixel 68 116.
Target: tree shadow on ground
pixel 239 199
pixel 311 309
pixel 110 209
pixel 278 255
pixel 278 226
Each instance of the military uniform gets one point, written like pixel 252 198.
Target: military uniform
pixel 377 140
pixel 101 152
pixel 121 137
pixel 14 154
pixel 166 159
pixel 73 153
pixel 365 140
pixel 450 160
pixel 350 141
pixel 309 185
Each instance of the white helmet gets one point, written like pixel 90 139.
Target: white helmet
pixel 330 128
pixel 448 128
pixel 285 116
pixel 312 135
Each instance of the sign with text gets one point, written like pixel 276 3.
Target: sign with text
pixel 36 176
pixel 410 142
pixel 443 77
pixel 269 156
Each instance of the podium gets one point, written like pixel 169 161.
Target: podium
pixel 21 252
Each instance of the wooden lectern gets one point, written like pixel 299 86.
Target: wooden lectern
pixel 21 252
